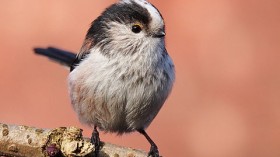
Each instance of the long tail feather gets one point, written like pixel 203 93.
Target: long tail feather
pixel 61 56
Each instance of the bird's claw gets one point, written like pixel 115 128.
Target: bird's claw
pixel 153 152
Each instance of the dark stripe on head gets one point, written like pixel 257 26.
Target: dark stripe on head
pixel 125 13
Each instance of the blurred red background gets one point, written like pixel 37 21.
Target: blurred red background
pixel 226 99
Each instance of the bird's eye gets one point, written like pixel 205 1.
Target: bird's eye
pixel 136 28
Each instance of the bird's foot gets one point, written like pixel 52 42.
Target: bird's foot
pixel 153 151
pixel 95 140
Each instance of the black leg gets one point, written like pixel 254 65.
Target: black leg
pixel 95 140
pixel 154 149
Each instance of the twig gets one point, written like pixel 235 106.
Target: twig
pixel 25 141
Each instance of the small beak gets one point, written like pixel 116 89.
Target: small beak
pixel 159 34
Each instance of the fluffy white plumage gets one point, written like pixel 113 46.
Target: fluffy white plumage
pixel 123 89
pixel 117 100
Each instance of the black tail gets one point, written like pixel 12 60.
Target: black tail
pixel 63 57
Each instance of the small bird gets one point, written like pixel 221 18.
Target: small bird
pixel 122 74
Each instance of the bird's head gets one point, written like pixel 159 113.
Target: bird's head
pixel 127 26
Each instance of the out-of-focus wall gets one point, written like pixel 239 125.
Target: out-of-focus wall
pixel 226 99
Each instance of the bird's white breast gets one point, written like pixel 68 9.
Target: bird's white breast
pixel 122 93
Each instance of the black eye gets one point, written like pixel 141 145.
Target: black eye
pixel 136 28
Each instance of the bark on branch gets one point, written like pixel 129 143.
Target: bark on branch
pixel 25 141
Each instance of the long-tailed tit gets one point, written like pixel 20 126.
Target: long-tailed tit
pixel 123 74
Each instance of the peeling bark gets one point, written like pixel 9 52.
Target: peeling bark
pixel 25 141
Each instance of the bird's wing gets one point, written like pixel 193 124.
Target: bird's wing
pixel 85 50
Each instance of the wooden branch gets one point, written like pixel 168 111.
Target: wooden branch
pixel 25 141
